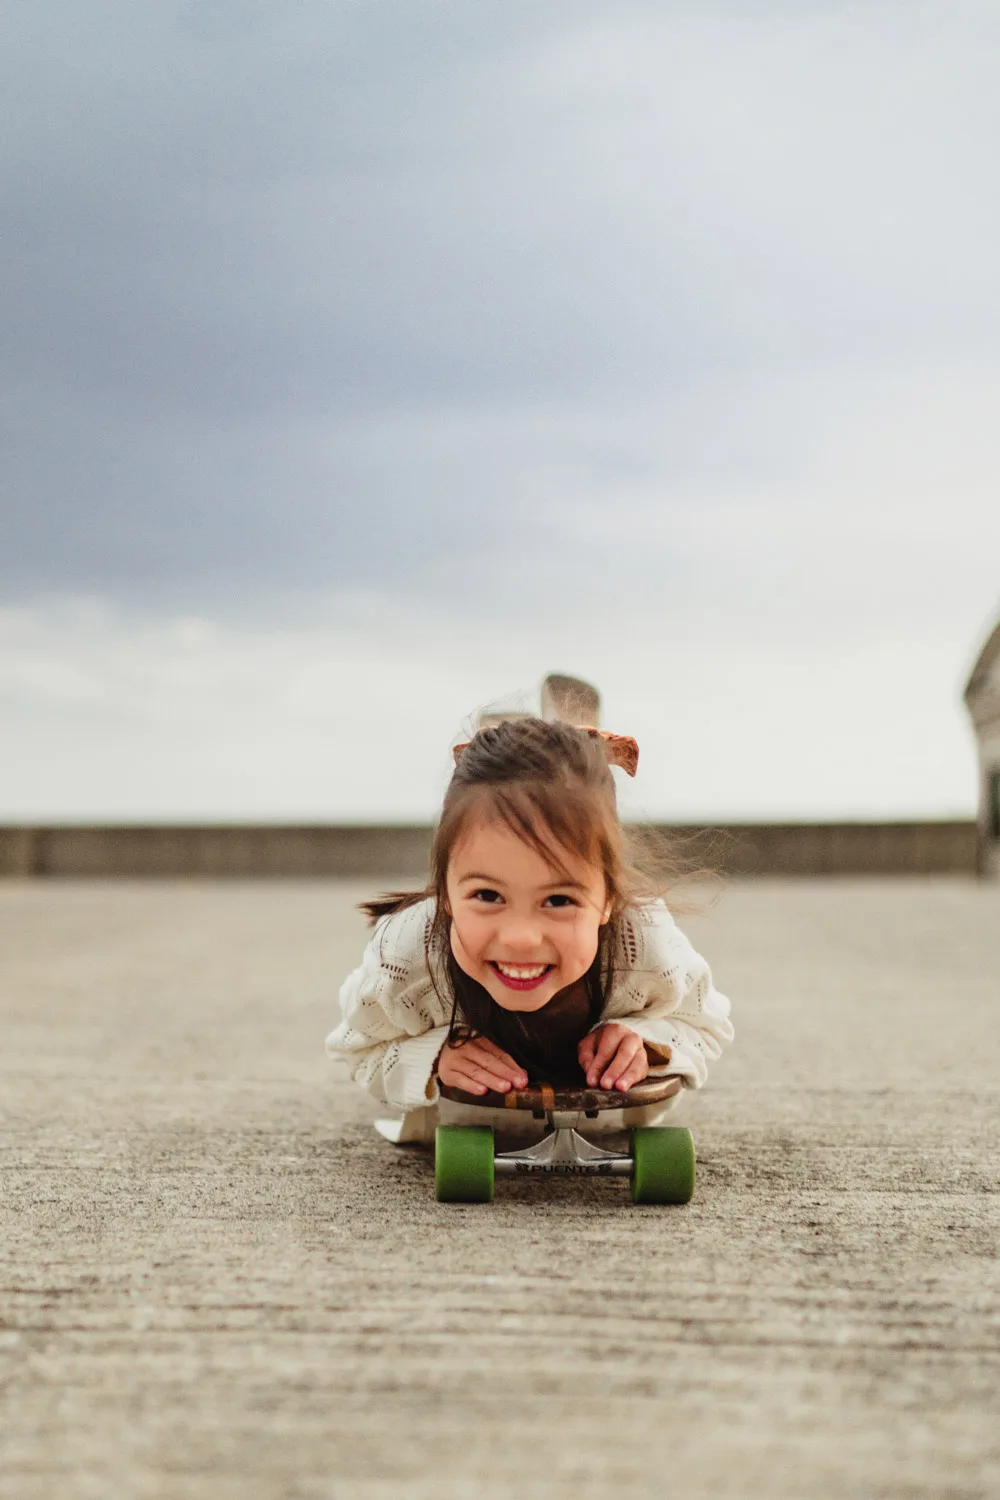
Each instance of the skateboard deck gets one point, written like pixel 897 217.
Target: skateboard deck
pixel 542 1098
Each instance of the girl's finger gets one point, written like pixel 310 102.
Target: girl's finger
pixel 457 1076
pixel 635 1072
pixel 495 1054
pixel 585 1051
pixel 608 1040
pixel 498 1082
pixel 618 1065
pixel 484 1044
pixel 497 1062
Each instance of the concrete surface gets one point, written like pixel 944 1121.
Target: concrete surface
pixel 218 1283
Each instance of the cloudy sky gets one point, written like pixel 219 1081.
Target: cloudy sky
pixel 364 361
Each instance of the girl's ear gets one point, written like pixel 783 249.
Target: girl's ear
pixel 606 917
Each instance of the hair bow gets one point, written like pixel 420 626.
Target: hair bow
pixel 619 749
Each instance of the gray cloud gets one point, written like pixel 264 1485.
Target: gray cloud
pixel 343 295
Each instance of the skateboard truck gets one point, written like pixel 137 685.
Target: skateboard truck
pixel 563 1150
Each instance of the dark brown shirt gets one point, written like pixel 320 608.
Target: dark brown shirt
pixel 545 1041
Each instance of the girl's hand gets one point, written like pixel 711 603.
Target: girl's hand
pixel 477 1066
pixel 613 1056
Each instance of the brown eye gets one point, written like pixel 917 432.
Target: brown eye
pixel 490 898
pixel 561 900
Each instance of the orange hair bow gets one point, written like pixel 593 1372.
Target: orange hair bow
pixel 620 749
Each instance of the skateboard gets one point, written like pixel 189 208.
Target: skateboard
pixel 659 1162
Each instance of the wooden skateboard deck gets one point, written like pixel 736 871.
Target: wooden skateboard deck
pixel 543 1097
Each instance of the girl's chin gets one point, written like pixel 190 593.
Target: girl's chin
pixel 521 999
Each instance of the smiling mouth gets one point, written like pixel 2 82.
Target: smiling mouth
pixel 521 976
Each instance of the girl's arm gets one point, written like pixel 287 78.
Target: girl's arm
pixel 663 991
pixel 393 1023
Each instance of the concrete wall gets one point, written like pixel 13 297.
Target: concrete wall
pixel 988 735
pixel 236 850
pixel 982 698
pixel 239 850
pixel 940 848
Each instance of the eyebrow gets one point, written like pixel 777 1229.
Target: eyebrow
pixel 576 885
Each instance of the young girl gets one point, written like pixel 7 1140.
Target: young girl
pixel 536 953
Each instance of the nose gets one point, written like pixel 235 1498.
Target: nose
pixel 521 934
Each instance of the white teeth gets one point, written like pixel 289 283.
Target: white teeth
pixel 518 971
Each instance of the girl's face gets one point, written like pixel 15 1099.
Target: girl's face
pixel 521 928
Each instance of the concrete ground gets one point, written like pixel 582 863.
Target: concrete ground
pixel 217 1282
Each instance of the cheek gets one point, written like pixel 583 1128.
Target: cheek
pixel 582 944
pixel 468 937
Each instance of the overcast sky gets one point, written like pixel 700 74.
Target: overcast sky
pixel 362 362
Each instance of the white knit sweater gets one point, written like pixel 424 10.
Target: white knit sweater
pixel 395 1022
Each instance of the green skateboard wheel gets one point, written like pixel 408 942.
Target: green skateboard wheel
pixel 662 1164
pixel 463 1163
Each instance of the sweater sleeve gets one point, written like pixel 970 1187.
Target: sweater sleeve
pixel 393 1023
pixel 663 991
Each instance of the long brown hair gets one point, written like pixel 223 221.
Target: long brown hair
pixel 551 784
